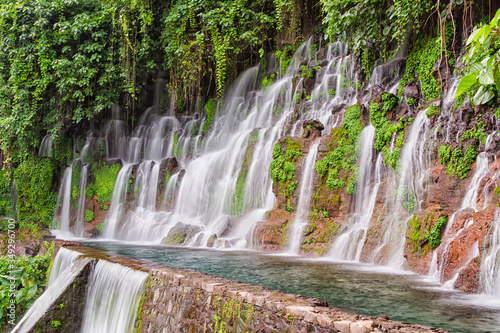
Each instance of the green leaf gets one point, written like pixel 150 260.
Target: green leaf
pixel 465 83
pixel 483 96
pixel 487 77
pixel 475 34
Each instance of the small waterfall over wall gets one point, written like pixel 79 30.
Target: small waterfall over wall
pixel 113 297
pixel 62 261
pixel 52 293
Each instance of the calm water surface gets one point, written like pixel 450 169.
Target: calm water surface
pixel 351 287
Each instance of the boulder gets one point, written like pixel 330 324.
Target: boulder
pixel 181 233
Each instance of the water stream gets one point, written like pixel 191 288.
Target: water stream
pixel 352 287
pixel 296 228
pixel 112 298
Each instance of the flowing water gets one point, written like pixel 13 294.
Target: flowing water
pixel 62 261
pixel 296 228
pixel 113 296
pixel 490 267
pixel 349 244
pixel 351 287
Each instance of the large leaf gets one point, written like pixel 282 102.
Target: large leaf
pixel 487 77
pixel 465 83
pixel 483 96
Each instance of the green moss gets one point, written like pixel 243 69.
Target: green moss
pixel 75 181
pixel 283 168
pixel 105 178
pixel 63 150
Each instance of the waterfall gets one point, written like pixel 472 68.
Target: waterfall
pixel 113 297
pixel 117 202
pixel 490 261
pixel 80 215
pixel 46 147
pixel 409 190
pixel 349 245
pixel 62 261
pixel 296 228
pixel 62 214
pixel 51 294
pixel 482 169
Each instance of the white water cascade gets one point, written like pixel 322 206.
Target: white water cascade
pixel 113 297
pixel 490 261
pixel 62 261
pixel 348 245
pixel 248 119
pixel 410 189
pixel 61 216
pixel 296 228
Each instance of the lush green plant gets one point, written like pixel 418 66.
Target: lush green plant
pixel 30 276
pixel 482 59
pixel 89 216
pixel 434 236
pixel 6 201
pixel 431 111
pixel 105 178
pixel 36 197
pixel 210 108
pixel 344 156
pixel 460 163
pixel 444 153
pixel 100 227
pixel 374 21
pixel 476 133
pixel 420 65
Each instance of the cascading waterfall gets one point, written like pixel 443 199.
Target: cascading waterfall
pixel 46 146
pixel 297 227
pixel 348 246
pixel 482 169
pixel 62 261
pixel 117 202
pixel 80 215
pixel 113 297
pixel 410 188
pixel 205 193
pixel 62 214
pixel 490 261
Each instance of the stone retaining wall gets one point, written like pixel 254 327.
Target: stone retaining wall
pixel 182 300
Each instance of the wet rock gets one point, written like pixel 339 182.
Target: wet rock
pixel 338 108
pixel 212 240
pixel 468 278
pixel 181 233
pixel 411 91
pixel 312 129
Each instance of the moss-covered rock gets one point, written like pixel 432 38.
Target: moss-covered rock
pixel 181 233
